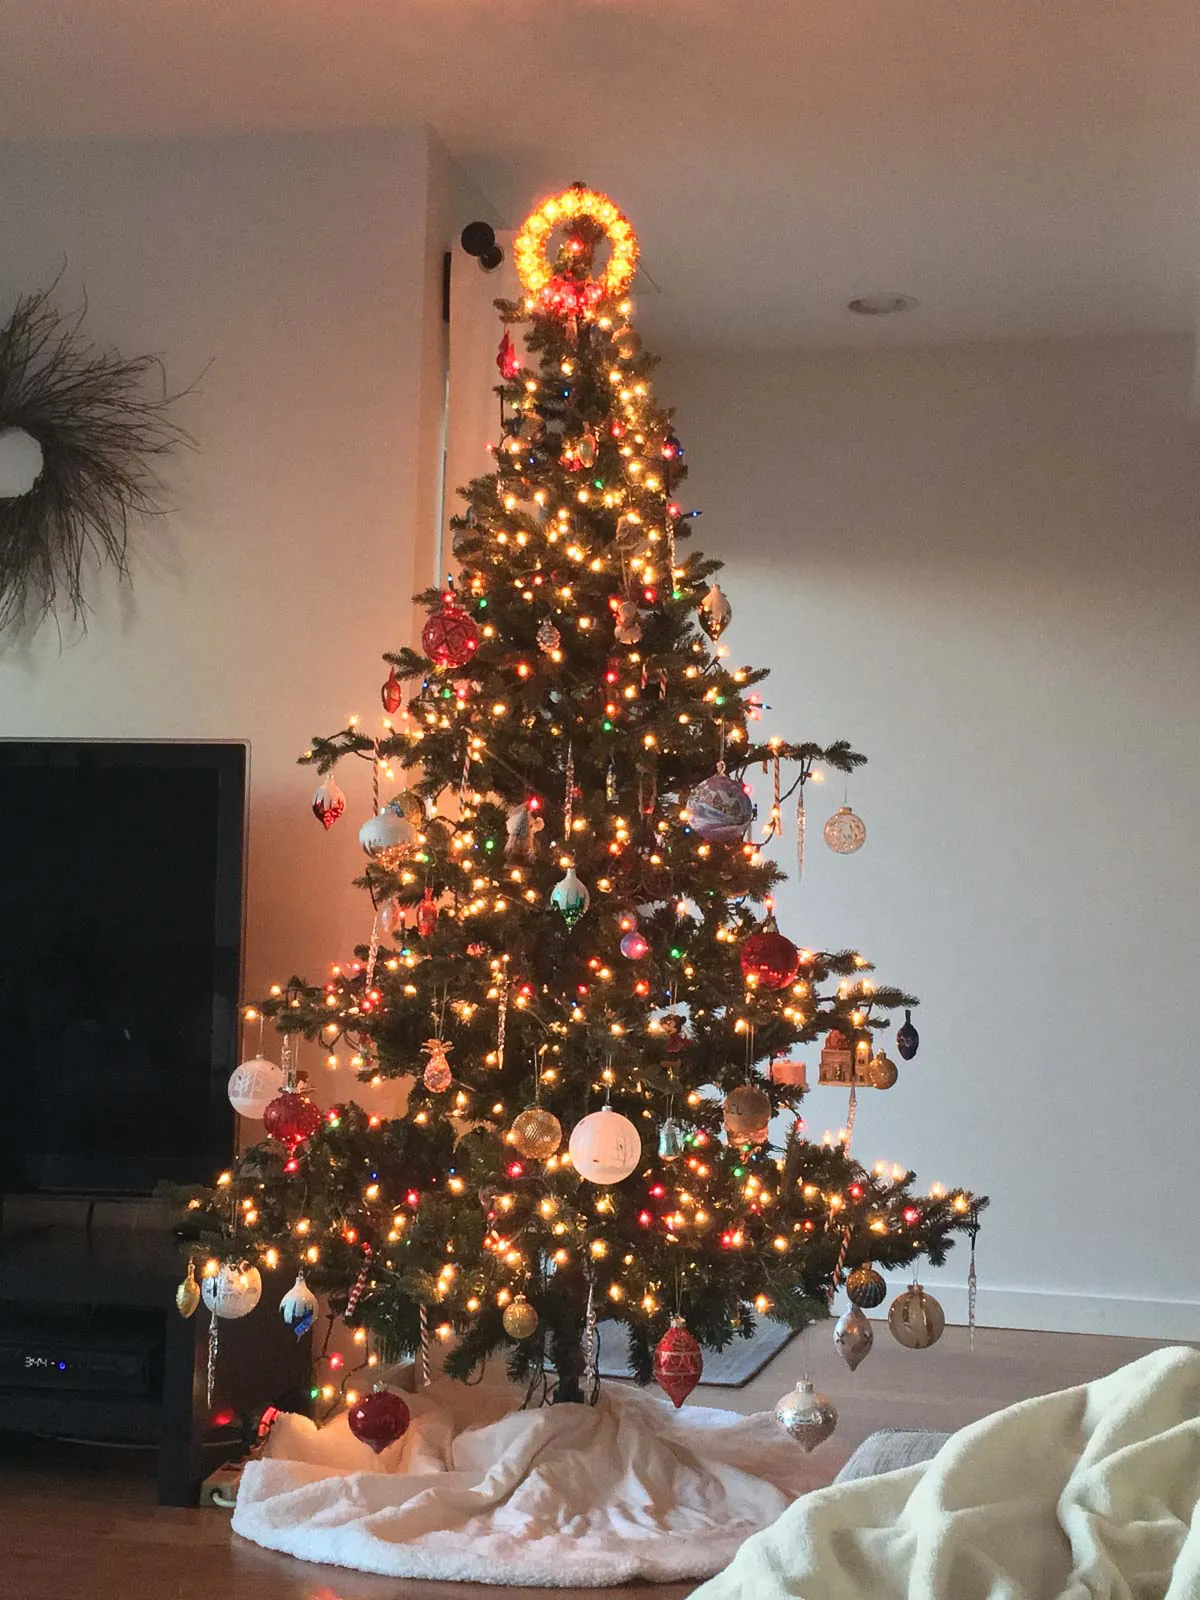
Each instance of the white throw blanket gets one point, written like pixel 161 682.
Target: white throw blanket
pixel 562 1496
pixel 1089 1494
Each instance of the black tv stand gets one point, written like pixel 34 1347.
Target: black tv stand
pixel 92 1347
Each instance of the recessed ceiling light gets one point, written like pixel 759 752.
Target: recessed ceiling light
pixel 880 305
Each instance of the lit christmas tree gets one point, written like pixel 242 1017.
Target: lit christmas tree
pixel 573 958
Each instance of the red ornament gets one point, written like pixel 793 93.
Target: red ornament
pixel 427 914
pixel 391 694
pixel 379 1419
pixel 769 960
pixel 507 359
pixel 291 1118
pixel 450 637
pixel 328 803
pixel 678 1362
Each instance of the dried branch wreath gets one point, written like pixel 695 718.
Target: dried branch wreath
pixel 99 422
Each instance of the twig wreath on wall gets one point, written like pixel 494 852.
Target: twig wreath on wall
pixel 81 429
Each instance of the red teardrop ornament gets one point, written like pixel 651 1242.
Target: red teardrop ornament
pixel 391 693
pixel 291 1118
pixel 678 1362
pixel 379 1419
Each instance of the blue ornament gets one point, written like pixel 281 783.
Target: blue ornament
pixel 299 1307
pixel 907 1037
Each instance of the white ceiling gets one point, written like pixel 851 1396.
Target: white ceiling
pixel 1022 169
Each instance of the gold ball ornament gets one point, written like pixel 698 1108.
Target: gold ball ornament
pixel 807 1415
pixel 845 832
pixel 747 1114
pixel 882 1072
pixel 520 1319
pixel 535 1134
pixel 187 1296
pixel 915 1319
pixel 865 1287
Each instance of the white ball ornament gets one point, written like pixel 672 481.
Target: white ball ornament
pixel 605 1147
pixel 233 1292
pixel 299 1307
pixel 20 463
pixel 253 1086
pixel 385 833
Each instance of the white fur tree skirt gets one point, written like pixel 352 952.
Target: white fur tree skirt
pixel 562 1496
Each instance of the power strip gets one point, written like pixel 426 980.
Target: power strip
pixel 220 1487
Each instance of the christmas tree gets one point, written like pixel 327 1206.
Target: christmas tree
pixel 572 957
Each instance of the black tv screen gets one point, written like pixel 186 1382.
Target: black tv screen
pixel 120 962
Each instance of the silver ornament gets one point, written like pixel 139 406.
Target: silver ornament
pixel 807 1415
pixel 915 1319
pixel 715 612
pixel 853 1336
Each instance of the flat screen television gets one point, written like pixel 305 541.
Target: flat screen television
pixel 121 911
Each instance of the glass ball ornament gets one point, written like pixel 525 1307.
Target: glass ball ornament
pixel 379 1419
pixel 807 1415
pixel 253 1086
pixel 853 1337
pixel 678 1362
pixel 291 1118
pixel 385 834
pixel 233 1291
pixel 536 1133
pixel 570 897
pixel 299 1307
pixel 865 1287
pixel 915 1319
pixel 520 1319
pixel 844 832
pixel 882 1072
pixel 635 945
pixel 719 810
pixel 605 1147
pixel 768 960
pixel 450 637
pixel 747 1114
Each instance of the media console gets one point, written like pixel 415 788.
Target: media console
pixel 92 1347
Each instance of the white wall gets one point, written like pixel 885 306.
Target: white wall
pixel 982 565
pixel 299 280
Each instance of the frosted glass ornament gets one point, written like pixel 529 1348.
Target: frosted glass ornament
pixel 605 1147
pixel 844 832
pixel 299 1307
pixel 233 1292
pixel 253 1086
pixel 382 835
pixel 571 897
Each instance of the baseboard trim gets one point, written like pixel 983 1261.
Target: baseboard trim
pixel 1047 1312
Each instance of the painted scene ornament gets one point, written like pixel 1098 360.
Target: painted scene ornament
pixel 719 809
pixel 605 1147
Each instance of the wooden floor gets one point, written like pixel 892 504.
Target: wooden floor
pixel 79 1523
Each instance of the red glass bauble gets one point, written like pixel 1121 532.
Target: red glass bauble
pixel 291 1118
pixel 379 1419
pixel 769 960
pixel 678 1362
pixel 450 637
pixel 391 693
pixel 507 359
